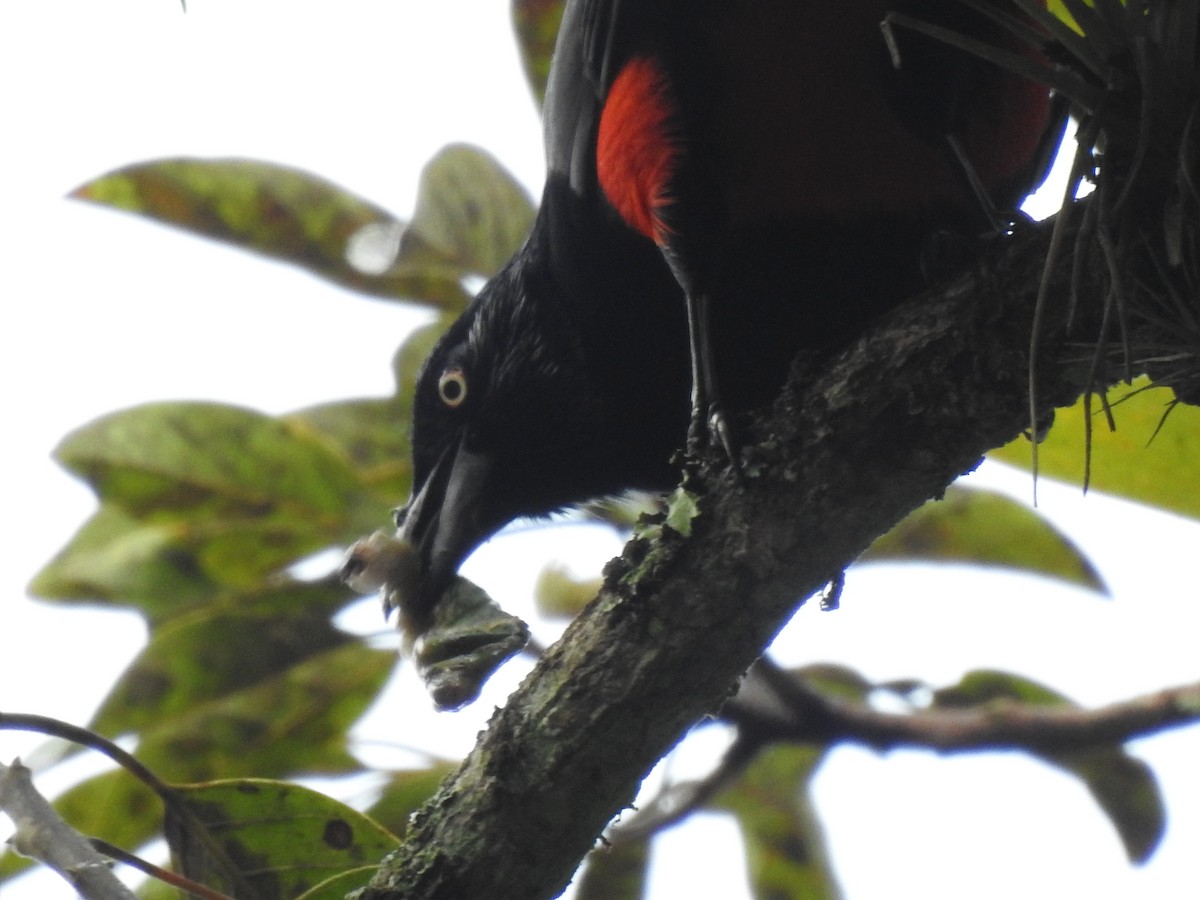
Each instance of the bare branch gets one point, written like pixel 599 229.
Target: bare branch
pixel 43 835
pixel 805 714
pixel 773 705
pixel 1008 724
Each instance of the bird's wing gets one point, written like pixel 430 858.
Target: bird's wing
pixel 593 39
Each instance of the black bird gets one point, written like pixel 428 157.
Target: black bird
pixel 760 167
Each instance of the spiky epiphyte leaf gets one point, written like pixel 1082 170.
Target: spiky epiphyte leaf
pixel 1139 146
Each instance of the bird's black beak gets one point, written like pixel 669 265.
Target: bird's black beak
pixel 444 522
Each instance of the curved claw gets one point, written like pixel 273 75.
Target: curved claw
pixel 710 430
pixel 709 426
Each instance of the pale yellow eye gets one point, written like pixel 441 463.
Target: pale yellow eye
pixel 452 387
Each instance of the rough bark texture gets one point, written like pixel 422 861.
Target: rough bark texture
pixel 847 452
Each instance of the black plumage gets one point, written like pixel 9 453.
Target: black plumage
pixel 804 177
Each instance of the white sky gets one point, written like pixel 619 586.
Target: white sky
pixel 103 311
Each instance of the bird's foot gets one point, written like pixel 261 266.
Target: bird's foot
pixel 709 431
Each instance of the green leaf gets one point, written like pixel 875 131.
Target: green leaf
pixel 411 355
pixel 836 680
pixel 280 212
pixel 471 215
pixel 182 458
pixel 1124 787
pixel 536 23
pixel 681 509
pixel 406 792
pixel 615 872
pixel 1061 9
pixel 785 847
pixel 373 435
pixel 206 494
pixel 294 721
pixel 241 553
pixel 116 559
pixel 339 886
pixel 623 512
pixel 227 646
pixel 1150 458
pixel 985 686
pixel 559 595
pixel 986 528
pixel 256 838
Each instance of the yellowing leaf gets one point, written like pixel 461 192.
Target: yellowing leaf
pixel 1152 457
pixel 280 212
pixel 164 568
pixel 165 458
pixel 985 528
pixel 559 595
pixel 197 496
pixel 1061 9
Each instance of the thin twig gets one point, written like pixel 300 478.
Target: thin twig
pixel 157 872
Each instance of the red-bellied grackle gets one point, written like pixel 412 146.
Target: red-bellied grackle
pixel 756 175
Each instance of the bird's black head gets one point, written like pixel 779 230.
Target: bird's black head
pixel 507 422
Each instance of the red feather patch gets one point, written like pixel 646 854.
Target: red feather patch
pixel 637 147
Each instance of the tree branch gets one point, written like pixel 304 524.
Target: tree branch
pixel 1012 725
pixel 846 452
pixel 790 709
pixel 42 834
pixel 774 705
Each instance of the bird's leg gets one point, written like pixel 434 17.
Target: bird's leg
pixel 708 426
pixel 999 222
pixel 950 251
